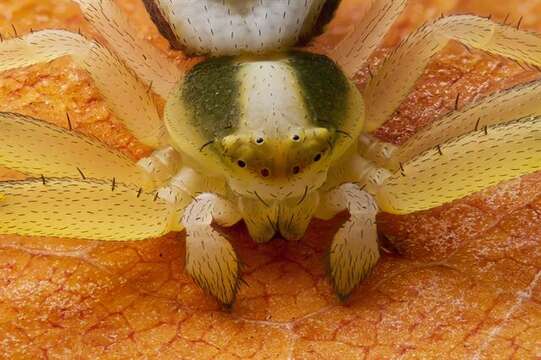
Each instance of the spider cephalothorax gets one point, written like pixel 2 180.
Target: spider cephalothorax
pixel 259 132
pixel 272 124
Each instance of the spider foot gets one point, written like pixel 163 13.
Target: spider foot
pixel 354 250
pixel 210 258
pixel 353 254
pixel 213 264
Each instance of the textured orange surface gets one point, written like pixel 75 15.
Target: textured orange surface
pixel 460 281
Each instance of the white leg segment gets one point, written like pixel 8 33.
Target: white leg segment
pixel 375 150
pixel 353 52
pixel 149 63
pixel 354 250
pixel 193 182
pixel 127 97
pixel 38 148
pixel 161 165
pixel 210 258
pixel 354 169
pixel 396 77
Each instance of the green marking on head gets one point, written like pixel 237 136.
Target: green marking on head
pixel 211 94
pixel 324 87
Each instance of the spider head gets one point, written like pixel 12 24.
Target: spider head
pixel 277 167
pixel 272 126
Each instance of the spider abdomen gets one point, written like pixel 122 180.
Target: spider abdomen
pixel 238 26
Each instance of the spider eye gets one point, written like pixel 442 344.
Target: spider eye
pixel 241 164
pixel 317 157
pixel 296 170
pixel 265 172
pixel 295 137
pixel 259 141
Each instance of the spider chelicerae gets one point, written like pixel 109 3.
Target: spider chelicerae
pixel 260 131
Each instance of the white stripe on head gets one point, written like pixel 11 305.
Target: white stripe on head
pixel 271 102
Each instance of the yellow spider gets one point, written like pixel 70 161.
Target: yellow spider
pixel 259 132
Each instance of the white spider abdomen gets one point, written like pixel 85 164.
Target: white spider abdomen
pixel 227 27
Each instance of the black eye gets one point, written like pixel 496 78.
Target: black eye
pixel 296 137
pixel 296 170
pixel 265 172
pixel 259 141
pixel 241 163
pixel 317 157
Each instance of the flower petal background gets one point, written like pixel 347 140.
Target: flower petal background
pixel 460 281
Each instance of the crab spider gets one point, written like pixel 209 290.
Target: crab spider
pixel 261 133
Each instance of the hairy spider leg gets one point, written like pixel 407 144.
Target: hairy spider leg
pixel 354 250
pixel 464 165
pixel 150 64
pixel 353 51
pixel 127 97
pixel 210 257
pixel 37 148
pixel 518 102
pixel 394 80
pixel 88 209
pixel 444 172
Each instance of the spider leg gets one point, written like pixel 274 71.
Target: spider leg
pixel 38 148
pixel 125 94
pixel 354 250
pixel 377 151
pixel 463 165
pixel 353 51
pixel 393 81
pixel 162 164
pixel 88 209
pixel 210 257
pixel 518 102
pixel 149 63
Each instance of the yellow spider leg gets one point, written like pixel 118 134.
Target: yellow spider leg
pixel 354 50
pixel 518 102
pixel 149 63
pixel 463 166
pixel 38 148
pixel 128 97
pixel 87 209
pixel 396 77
